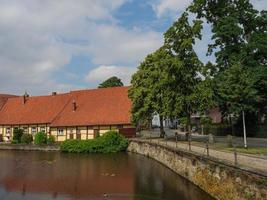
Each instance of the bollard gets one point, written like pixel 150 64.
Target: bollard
pixel 207 147
pixel 235 155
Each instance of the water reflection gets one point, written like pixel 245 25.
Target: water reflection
pixel 39 175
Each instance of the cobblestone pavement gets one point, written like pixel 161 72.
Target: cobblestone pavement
pixel 243 160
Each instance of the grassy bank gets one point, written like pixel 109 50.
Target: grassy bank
pixel 110 142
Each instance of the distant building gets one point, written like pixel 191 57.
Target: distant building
pixel 80 114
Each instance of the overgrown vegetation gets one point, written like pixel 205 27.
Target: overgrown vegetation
pixel 17 134
pixel 110 142
pixel 41 139
pixel 26 138
pixel 50 140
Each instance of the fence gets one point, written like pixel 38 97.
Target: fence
pixel 227 149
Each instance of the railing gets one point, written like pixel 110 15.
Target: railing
pixel 227 149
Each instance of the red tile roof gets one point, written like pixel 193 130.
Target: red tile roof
pixel 4 98
pixel 104 106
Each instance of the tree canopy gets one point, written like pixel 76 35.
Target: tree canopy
pixel 111 82
pixel 173 82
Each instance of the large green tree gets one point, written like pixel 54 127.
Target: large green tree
pixel 111 82
pixel 239 38
pixel 188 89
pixel 148 91
pixel 240 47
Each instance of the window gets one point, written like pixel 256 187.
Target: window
pixel 42 128
pixel 34 130
pixel 8 130
pixel 119 126
pixel 25 129
pixel 60 131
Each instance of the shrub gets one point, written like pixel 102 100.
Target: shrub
pixel 26 138
pixel 110 142
pixel 40 138
pixel 17 133
pixel 14 142
pixel 50 140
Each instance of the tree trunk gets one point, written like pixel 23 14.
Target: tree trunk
pixel 162 133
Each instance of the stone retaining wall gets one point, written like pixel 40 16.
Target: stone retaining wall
pixel 221 180
pixel 29 147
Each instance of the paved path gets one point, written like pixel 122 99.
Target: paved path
pixel 243 160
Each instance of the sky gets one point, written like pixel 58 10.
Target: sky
pixel 66 45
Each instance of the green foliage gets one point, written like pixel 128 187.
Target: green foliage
pixel 240 46
pixel 26 138
pixel 111 82
pixel 188 91
pixel 148 86
pixel 50 140
pixel 40 138
pixel 110 142
pixel 17 133
pixel 236 89
pixel 218 129
pixel 15 142
pixel 205 120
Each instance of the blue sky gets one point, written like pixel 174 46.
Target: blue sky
pixel 65 45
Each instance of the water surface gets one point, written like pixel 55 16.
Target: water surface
pixel 39 175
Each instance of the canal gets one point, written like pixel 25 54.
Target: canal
pixel 45 176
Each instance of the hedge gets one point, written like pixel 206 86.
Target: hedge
pixel 110 142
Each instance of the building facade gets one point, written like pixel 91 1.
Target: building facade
pixel 80 114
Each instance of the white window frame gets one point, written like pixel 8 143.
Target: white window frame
pixel 25 130
pixel 60 131
pixel 33 132
pixel 42 128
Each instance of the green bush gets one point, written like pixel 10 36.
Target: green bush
pixel 50 140
pixel 26 138
pixel 218 129
pixel 110 142
pixel 17 134
pixel 14 142
pixel 40 138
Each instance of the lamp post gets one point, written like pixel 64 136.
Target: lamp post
pixel 244 129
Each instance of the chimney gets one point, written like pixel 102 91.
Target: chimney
pixel 74 106
pixel 24 99
pixel 25 96
pixel 54 93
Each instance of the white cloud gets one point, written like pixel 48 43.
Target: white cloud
pixel 39 38
pixel 113 44
pixel 103 72
pixel 163 7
